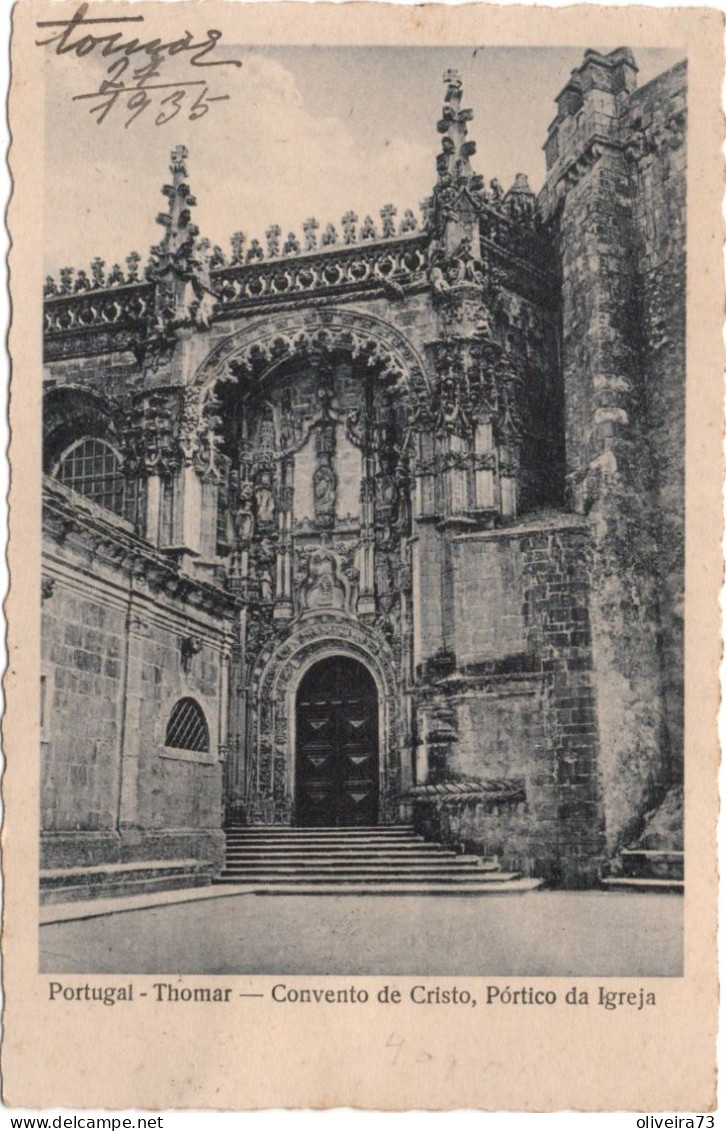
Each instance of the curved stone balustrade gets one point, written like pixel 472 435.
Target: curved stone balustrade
pixel 89 310
pixel 398 263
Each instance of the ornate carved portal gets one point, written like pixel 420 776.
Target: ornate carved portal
pixel 270 780
pixel 319 445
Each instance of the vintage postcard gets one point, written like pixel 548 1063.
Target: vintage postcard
pixel 361 739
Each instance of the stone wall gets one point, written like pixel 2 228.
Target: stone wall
pixel 620 236
pixel 523 699
pixel 655 122
pixel 116 617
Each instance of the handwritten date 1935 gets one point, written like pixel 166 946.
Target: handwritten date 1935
pixel 168 99
pixel 135 72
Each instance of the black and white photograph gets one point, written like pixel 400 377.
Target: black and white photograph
pixel 363 507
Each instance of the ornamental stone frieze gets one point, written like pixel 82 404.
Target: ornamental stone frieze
pixel 151 435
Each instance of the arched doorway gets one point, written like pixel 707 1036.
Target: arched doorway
pixel 336 755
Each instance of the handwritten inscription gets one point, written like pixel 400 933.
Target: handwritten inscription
pixel 136 76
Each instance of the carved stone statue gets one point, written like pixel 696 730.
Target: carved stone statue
pixel 325 483
pixel 265 585
pixel 264 498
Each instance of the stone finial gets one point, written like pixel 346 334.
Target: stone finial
pixel 388 219
pixel 408 223
pixel 255 252
pixel 177 162
pixel 97 274
pixel 133 262
pixel 66 280
pixel 329 237
pixel 349 222
pixel 50 287
pixel 453 83
pixel 426 206
pixel 183 296
pixel 238 241
pixel 368 229
pixel 177 244
pixel 456 149
pixel 272 235
pixel 519 200
pixel 291 245
pixel 116 276
pixel 310 228
pixel 82 283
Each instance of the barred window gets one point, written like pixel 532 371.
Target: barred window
pixel 93 468
pixel 187 728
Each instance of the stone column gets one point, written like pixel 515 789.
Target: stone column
pixel 153 507
pixel 456 476
pixel 283 582
pixel 235 777
pixel 425 473
pixel 191 488
pixel 130 737
pixel 483 466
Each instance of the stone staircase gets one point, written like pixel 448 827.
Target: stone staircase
pixel 377 860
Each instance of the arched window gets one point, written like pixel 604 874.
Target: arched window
pixel 93 468
pixel 187 727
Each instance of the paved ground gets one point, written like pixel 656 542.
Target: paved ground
pixel 537 934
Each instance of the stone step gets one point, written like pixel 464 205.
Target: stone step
pixel 58 877
pixel 362 875
pixel 360 860
pixel 642 883
pixel 327 838
pixel 395 887
pixel 663 864
pixel 60 885
pixel 304 830
pixel 345 855
pixel 343 845
pixel 264 864
pixel 472 864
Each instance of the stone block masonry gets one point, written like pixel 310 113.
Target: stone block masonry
pixel 524 699
pixel 114 789
pixel 616 183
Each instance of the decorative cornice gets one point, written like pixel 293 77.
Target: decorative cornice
pixel 73 523
pixel 595 148
pixel 471 791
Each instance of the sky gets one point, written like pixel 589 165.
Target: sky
pixel 307 131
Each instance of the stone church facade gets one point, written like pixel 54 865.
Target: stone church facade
pixel 435 465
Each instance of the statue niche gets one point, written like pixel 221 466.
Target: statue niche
pixel 265 498
pixel 325 481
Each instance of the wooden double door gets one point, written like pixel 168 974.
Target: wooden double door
pixel 337 760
